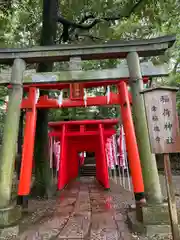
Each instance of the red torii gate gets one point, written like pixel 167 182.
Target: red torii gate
pixel 123 99
pixel 79 136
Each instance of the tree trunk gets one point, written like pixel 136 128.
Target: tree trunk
pixel 43 177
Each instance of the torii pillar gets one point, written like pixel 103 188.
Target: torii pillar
pixel 131 144
pixel 8 213
pixel 148 160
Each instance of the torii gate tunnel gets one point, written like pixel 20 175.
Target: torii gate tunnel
pixel 131 50
pixel 79 136
pixel 90 135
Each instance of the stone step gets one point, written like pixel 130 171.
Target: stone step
pixel 148 230
pixel 90 160
pixel 84 173
pixel 88 174
pixel 88 170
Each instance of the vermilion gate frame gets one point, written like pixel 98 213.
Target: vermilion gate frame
pixel 79 136
pixel 123 98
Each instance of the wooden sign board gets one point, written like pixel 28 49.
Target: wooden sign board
pixel 160 105
pixel 76 89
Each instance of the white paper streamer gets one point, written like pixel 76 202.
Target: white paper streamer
pixel 123 160
pixel 58 157
pixel 85 98
pixel 108 94
pixel 109 153
pixel 37 95
pixel 60 98
pixel 57 149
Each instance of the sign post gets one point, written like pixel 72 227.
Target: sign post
pixel 160 105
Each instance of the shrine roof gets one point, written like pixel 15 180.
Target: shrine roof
pixel 173 89
pixel 84 122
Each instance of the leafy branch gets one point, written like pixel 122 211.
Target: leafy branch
pixel 70 27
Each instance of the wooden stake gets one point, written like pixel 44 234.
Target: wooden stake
pixel 171 198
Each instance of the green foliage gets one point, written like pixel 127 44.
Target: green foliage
pixel 21 23
pixel 101 64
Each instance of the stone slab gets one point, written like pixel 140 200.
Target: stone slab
pixel 150 230
pixel 135 225
pixel 47 229
pixel 160 230
pixel 106 233
pixel 9 216
pixel 86 212
pixel 76 228
pixel 9 232
pixel 156 214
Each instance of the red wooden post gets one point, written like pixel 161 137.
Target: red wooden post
pixel 77 138
pixel 62 167
pixel 28 146
pixel 104 167
pixel 132 148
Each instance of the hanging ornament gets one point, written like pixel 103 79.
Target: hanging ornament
pixel 60 98
pixel 58 156
pixel 85 98
pixel 37 95
pixel 108 94
pixel 114 146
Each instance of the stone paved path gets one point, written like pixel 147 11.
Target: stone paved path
pixel 83 211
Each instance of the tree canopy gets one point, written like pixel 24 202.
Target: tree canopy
pixel 94 21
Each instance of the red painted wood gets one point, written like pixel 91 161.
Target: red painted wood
pixel 90 84
pixel 108 133
pixel 28 147
pixel 45 102
pixel 79 136
pixel 62 175
pixel 131 144
pixel 105 122
pixel 76 91
pixel 104 177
